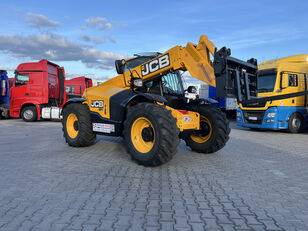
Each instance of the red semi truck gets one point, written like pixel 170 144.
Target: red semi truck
pixel 76 86
pixel 38 91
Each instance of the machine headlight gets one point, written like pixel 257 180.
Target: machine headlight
pixel 238 114
pixel 137 82
pixel 271 115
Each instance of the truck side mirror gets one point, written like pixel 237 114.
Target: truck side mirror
pixel 284 80
pixel 192 89
pixel 119 64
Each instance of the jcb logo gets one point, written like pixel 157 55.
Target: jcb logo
pixel 97 103
pixel 155 65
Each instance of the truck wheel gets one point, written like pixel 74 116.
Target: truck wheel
pixel 296 122
pixel 151 134
pixel 29 114
pixel 214 131
pixel 77 125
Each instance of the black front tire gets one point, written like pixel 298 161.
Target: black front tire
pixel 85 136
pixel 296 123
pixel 219 131
pixel 29 114
pixel 165 132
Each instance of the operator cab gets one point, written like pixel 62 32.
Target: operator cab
pixel 170 86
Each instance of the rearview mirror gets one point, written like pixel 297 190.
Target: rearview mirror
pixel 192 89
pixel 119 64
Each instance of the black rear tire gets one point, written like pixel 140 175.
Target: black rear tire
pixel 29 114
pixel 164 137
pixel 213 141
pixel 296 123
pixel 83 126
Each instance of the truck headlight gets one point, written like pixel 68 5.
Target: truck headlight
pixel 271 115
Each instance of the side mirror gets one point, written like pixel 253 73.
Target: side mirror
pixel 192 89
pixel 119 64
pixel 284 81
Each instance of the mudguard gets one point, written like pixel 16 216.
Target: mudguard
pixel 119 101
pixel 74 100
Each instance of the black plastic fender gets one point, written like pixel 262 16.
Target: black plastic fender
pixel 119 102
pixel 73 100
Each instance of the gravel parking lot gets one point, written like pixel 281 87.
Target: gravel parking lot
pixel 259 181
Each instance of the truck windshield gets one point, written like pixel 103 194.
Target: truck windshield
pixel 266 80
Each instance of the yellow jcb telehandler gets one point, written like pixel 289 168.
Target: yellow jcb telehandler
pixel 146 103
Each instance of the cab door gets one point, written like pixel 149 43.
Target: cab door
pixel 20 92
pixel 294 82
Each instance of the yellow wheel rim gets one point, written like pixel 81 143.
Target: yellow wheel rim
pixel 72 125
pixel 203 139
pixel 136 135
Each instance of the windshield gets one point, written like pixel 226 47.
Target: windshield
pixel 266 80
pixel 132 63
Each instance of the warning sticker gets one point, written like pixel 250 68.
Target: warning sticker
pixel 105 128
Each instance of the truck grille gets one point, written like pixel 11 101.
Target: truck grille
pixel 258 104
pixel 253 117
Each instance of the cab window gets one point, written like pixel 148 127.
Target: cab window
pixel 70 89
pixel 293 80
pixel 21 79
pixel 172 84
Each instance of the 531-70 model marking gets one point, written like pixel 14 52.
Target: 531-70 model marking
pixel 155 65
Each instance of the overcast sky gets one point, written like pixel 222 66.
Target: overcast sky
pixel 87 36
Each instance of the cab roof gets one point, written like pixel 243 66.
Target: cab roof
pixel 295 61
pixel 292 59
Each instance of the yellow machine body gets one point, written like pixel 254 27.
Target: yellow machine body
pixel 193 58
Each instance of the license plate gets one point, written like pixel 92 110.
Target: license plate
pixel 252 118
pixel 230 104
pixel 105 128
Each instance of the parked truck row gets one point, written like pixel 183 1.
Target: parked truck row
pixel 38 91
